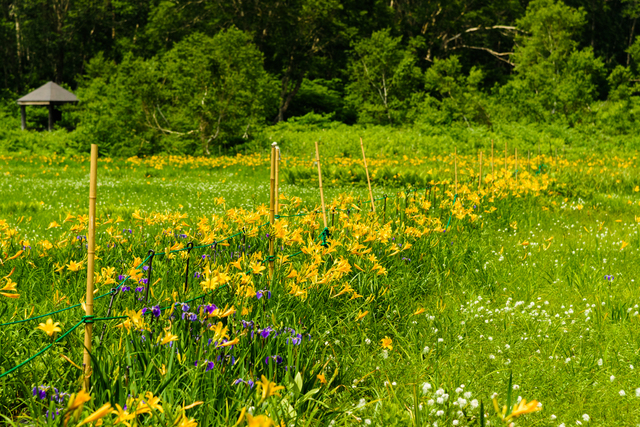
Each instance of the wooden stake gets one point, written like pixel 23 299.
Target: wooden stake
pixel 455 167
pixel 324 214
pixel 505 160
pixel 516 153
pixel 364 159
pixel 272 208
pixel 480 176
pixel 492 175
pixel 91 243
pixel 277 180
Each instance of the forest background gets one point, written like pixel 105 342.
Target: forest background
pixel 211 76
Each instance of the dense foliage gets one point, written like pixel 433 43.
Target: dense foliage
pixel 191 77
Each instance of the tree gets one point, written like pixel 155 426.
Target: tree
pixel 215 87
pixel 383 76
pixel 552 77
pixel 458 95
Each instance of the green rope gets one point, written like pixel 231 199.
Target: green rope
pixel 451 215
pixel 322 236
pixel 40 316
pixel 89 318
pixel 4 374
pixel 96 319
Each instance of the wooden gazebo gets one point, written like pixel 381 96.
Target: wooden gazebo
pixel 50 95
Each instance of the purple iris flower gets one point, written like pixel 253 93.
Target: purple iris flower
pixel 266 332
pixel 156 311
pixel 210 366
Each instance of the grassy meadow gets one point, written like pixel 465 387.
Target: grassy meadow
pixel 420 314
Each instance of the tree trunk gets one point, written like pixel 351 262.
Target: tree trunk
pixel 287 96
pixel 633 28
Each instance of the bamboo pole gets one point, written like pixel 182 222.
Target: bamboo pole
pixel 324 214
pixel 277 180
pixel 364 159
pixel 91 243
pixel 272 208
pixel 455 166
pixel 505 160
pixel 480 176
pixel 492 175
pixel 516 167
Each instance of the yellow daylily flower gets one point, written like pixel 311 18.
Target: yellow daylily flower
pixel 361 315
pixel 49 327
pixel 74 266
pixel 387 343
pixel 100 413
pixel 122 415
pixel 259 421
pixel 268 388
pixel 169 337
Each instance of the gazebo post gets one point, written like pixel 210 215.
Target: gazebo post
pixel 50 117
pixel 23 117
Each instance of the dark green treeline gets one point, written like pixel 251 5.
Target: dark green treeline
pixel 194 76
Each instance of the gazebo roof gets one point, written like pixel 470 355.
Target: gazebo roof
pixel 50 93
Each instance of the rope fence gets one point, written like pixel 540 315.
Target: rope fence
pixel 88 319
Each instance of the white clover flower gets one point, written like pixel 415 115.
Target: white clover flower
pixel 431 402
pixel 440 400
pixel 467 395
pixel 384 354
pixel 367 341
pixel 611 378
pixel 439 392
pixel 459 390
pixel 425 388
pixel 586 417
pixel 553 417
pixel 638 392
pixel 599 362
pixel 474 403
pixel 440 413
pixel 622 393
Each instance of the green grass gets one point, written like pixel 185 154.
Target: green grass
pixel 493 307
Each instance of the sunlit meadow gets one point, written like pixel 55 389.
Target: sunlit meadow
pixel 511 302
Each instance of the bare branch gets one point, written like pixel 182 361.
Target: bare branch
pixel 474 29
pixel 499 55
